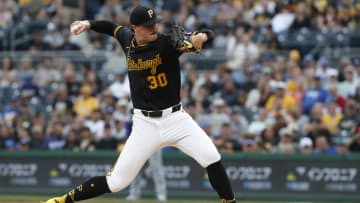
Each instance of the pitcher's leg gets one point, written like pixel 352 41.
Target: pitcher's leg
pixel 199 146
pixel 196 143
pixel 142 143
pixel 158 174
pixel 220 182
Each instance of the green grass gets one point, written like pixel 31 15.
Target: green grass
pixel 36 199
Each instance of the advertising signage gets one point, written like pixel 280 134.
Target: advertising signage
pixel 247 176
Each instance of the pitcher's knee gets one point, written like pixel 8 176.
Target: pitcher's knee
pixel 210 159
pixel 116 183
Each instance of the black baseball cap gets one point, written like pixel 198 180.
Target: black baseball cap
pixel 142 15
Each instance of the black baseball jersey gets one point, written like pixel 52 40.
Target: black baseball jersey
pixel 153 69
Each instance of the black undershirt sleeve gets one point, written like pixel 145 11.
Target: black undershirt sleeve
pixel 103 26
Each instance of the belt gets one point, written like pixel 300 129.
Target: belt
pixel 158 113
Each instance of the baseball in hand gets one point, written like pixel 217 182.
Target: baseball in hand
pixel 77 27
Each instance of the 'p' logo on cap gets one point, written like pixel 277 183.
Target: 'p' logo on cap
pixel 142 15
pixel 151 13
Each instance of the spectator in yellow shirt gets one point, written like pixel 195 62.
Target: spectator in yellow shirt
pixel 332 117
pixel 279 99
pixel 85 103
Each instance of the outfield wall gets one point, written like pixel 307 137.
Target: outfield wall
pixel 253 176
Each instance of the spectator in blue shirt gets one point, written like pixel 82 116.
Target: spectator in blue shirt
pixel 322 145
pixel 55 139
pixel 7 139
pixel 29 88
pixel 314 94
pixel 11 111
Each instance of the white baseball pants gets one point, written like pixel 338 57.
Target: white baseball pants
pixel 149 135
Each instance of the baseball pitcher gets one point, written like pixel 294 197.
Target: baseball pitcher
pixel 158 117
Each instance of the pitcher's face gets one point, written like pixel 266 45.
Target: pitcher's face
pixel 145 33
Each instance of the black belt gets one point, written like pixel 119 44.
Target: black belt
pixel 159 113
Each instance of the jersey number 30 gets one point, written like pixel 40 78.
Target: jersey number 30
pixel 157 81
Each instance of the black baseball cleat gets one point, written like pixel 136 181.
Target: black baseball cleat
pixel 56 200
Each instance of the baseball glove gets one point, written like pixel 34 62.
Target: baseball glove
pixel 179 38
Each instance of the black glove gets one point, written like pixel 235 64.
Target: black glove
pixel 179 38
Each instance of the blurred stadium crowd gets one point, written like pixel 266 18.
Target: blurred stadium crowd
pixel 257 99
